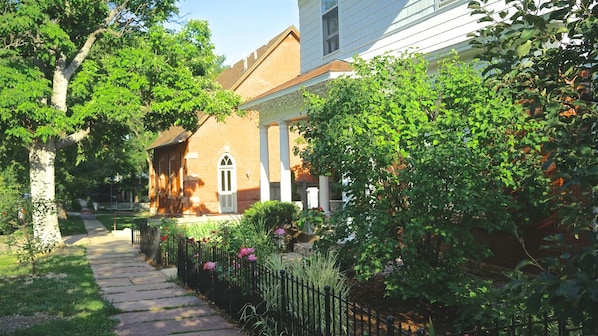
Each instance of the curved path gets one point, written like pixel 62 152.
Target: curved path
pixel 149 302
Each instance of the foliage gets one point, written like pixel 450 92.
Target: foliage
pixel 544 55
pixel 236 235
pixel 12 203
pixel 170 232
pixel 256 229
pixel 485 303
pixel 202 231
pixel 97 74
pixel 311 219
pixel 319 271
pixel 272 214
pixel 27 248
pixel 259 321
pixel 429 158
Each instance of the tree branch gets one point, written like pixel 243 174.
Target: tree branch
pixel 91 39
pixel 73 138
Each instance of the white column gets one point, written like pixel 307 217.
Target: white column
pixel 324 194
pixel 264 164
pixel 286 193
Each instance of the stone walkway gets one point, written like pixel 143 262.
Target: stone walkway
pixel 149 302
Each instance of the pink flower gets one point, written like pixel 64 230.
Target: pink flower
pixel 279 231
pixel 245 251
pixel 209 265
pixel 252 257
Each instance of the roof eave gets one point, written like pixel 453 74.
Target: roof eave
pixel 325 77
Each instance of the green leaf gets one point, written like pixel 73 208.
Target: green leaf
pixel 523 49
pixel 527 34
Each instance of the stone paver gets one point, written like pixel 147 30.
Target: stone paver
pixel 150 304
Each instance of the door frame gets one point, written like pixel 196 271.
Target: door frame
pixel 228 169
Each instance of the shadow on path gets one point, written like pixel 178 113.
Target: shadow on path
pixel 150 304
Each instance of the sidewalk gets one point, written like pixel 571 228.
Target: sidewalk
pixel 150 304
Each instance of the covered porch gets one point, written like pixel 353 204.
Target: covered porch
pixel 278 109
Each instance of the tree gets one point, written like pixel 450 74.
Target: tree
pixel 73 70
pixel 544 55
pixel 428 158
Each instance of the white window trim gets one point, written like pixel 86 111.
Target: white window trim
pixel 326 38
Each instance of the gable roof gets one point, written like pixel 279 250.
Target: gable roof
pixel 229 79
pixel 233 77
pixel 176 134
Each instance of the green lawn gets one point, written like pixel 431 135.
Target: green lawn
pixel 66 290
pixel 72 226
pixel 9 264
pixel 123 219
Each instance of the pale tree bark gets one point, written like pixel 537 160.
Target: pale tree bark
pixel 41 174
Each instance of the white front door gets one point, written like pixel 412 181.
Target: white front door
pixel 227 185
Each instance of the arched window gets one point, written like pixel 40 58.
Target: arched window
pixel 227 184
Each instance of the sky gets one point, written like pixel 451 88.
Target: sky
pixel 241 26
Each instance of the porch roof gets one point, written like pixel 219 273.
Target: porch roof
pixel 319 75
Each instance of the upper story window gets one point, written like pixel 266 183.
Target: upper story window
pixel 330 25
pixel 442 3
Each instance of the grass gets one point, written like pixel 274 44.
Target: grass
pixel 66 289
pixel 122 219
pixel 9 264
pixel 72 226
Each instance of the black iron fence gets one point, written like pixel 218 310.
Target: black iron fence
pixel 136 230
pixel 275 302
pixel 149 242
pixel 159 247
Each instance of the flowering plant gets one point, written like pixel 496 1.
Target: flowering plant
pixel 210 265
pixel 248 252
pixel 280 238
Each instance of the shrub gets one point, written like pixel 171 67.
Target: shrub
pixel 202 231
pixel 12 205
pixel 311 219
pixel 235 235
pixel 271 214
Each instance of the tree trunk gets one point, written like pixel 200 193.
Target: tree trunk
pixel 41 174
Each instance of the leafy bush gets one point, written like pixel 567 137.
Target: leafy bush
pixel 437 158
pixel 271 214
pixel 235 235
pixel 311 219
pixel 202 231
pixel 12 205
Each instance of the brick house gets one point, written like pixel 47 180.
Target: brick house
pixel 215 169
